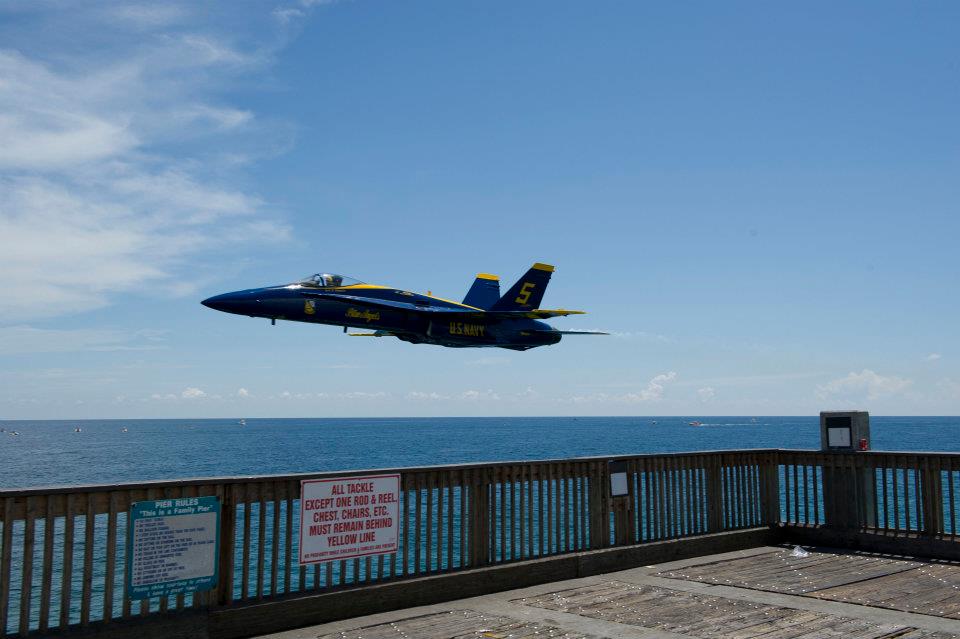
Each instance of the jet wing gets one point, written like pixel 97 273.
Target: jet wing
pixel 443 310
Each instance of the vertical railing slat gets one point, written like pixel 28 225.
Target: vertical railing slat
pixel 26 565
pixel 245 566
pixel 88 541
pixel 6 554
pixel 46 580
pixel 275 539
pixel 66 574
pixel 110 573
pixel 261 537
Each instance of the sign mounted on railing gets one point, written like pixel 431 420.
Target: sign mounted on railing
pixel 174 544
pixel 348 517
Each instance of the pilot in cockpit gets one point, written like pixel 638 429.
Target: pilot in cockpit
pixel 327 280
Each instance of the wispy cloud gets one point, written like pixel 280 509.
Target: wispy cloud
pixel 422 396
pixel 866 383
pixel 706 393
pixel 480 395
pixel 91 203
pixel 932 357
pixel 26 339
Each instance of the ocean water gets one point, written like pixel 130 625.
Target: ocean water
pixel 51 453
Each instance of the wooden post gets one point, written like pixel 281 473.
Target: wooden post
pixel 227 535
pixel 714 477
pixel 599 533
pixel 479 515
pixel 769 490
pixel 931 492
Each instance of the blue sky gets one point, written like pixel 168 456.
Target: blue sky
pixel 758 200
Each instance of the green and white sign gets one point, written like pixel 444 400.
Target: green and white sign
pixel 174 545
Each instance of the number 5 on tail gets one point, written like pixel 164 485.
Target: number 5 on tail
pixel 525 292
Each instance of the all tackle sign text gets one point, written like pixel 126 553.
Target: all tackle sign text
pixel 348 517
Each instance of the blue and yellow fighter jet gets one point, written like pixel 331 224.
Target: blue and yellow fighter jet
pixel 484 318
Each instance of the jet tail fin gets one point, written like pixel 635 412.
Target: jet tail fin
pixel 485 291
pixel 528 292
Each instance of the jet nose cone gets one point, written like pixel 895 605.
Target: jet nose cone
pixel 226 302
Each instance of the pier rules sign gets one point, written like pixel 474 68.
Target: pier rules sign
pixel 348 517
pixel 173 546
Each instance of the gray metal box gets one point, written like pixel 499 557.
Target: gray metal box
pixel 845 430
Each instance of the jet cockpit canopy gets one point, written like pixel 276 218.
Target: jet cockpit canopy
pixel 328 280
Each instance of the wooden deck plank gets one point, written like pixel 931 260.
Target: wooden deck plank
pixel 709 616
pixel 931 589
pixel 785 573
pixel 456 624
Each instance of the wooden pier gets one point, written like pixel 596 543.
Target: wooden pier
pixel 469 530
pixel 766 592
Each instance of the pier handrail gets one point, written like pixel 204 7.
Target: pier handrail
pixel 63 553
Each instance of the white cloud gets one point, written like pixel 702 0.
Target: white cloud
pixel 866 383
pixel 418 395
pixel 706 393
pixel 192 393
pixel 932 357
pixel 364 395
pixel 654 390
pixel 652 393
pixel 243 392
pixel 476 395
pixel 91 203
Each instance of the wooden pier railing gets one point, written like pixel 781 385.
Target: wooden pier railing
pixel 63 551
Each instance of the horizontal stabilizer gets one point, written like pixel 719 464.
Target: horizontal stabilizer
pixel 374 334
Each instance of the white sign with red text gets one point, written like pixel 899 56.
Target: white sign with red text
pixel 348 517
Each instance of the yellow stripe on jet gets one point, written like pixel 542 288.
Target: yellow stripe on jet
pixel 549 268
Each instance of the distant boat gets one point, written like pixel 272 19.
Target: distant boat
pixel 13 432
pixel 123 430
pixel 695 423
pixel 77 430
pixel 654 422
pixel 753 420
pixel 242 422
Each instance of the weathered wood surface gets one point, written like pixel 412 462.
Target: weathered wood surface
pixel 784 572
pixel 884 582
pixel 709 616
pixel 457 624
pixel 930 589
